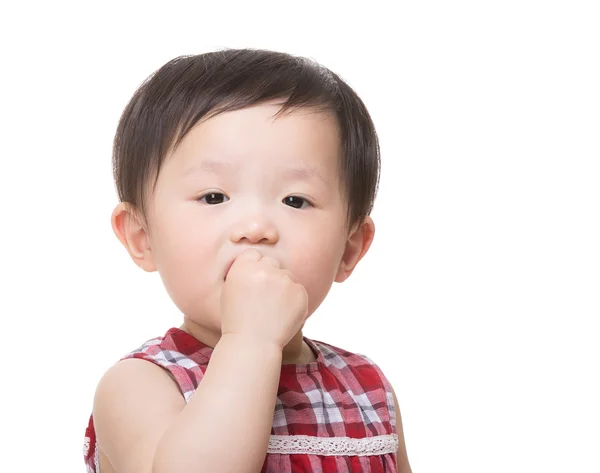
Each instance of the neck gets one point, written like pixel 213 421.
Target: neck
pixel 295 352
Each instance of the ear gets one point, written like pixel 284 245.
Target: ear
pixel 358 244
pixel 131 232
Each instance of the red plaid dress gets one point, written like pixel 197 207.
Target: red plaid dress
pixel 334 415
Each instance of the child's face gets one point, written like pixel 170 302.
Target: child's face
pixel 227 188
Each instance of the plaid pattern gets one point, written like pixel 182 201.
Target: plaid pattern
pixel 342 398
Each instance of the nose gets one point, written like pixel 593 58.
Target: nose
pixel 255 229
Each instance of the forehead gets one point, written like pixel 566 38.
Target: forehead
pixel 255 137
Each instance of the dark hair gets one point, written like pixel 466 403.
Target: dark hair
pixel 189 88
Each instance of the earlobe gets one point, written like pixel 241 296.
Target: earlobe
pixel 357 245
pixel 131 232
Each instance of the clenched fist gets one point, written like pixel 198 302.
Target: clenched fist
pixel 261 300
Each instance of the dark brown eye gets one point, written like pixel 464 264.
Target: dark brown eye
pixel 213 198
pixel 296 202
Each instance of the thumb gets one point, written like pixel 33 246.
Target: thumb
pixel 250 255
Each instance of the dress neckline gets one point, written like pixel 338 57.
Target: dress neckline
pixel 194 345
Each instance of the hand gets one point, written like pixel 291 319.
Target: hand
pixel 262 301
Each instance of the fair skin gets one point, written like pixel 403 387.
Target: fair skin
pixel 247 229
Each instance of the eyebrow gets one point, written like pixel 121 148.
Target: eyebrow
pixel 303 174
pixel 289 173
pixel 211 167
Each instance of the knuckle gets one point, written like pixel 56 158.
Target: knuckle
pixel 251 254
pixel 262 275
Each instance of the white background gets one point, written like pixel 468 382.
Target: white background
pixel 481 294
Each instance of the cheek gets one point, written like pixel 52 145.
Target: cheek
pixel 185 241
pixel 190 277
pixel 315 267
pixel 185 258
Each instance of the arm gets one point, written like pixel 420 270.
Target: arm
pixel 401 457
pixel 144 426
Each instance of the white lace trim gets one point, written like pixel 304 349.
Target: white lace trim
pixel 86 446
pixel 298 444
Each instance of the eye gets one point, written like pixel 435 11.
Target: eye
pixel 296 202
pixel 214 198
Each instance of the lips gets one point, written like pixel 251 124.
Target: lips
pixel 227 268
pixel 229 265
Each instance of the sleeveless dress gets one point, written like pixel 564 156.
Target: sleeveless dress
pixel 334 415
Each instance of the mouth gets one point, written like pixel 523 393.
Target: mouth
pixel 227 268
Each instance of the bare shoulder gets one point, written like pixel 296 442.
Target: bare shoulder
pixel 135 403
pixel 402 455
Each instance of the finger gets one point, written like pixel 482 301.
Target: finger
pixel 250 254
pixel 271 262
